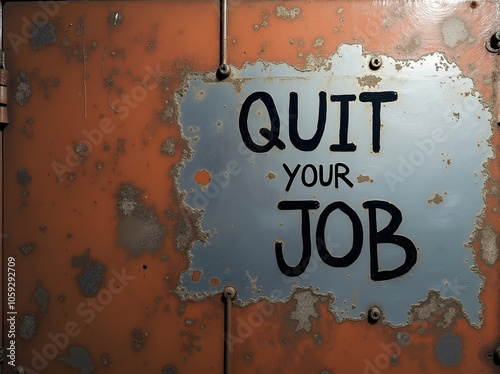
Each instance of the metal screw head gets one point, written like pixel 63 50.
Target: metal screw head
pixel 375 63
pixel 493 45
pixel 229 292
pixel 374 314
pixel 496 356
pixel 223 71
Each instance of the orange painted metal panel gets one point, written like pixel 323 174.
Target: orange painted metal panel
pixel 94 132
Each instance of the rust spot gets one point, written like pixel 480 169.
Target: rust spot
pixel 305 310
pixel 369 81
pixel 202 177
pixel 214 282
pixel 196 275
pixel 437 199
pixel 364 178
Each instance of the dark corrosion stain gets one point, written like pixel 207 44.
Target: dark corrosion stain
pixel 42 34
pixel 139 229
pixel 91 278
pixel 79 358
pixel 168 147
pixel 42 298
pixel 28 326
pixel 449 349
pixel 139 339
pixel 27 248
pixel 23 88
pixel 23 177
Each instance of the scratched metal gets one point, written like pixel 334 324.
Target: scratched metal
pixel 421 168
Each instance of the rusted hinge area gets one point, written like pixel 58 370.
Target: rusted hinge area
pixel 4 78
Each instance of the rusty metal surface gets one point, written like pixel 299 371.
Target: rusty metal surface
pixel 100 231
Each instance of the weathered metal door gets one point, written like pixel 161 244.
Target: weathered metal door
pixel 338 172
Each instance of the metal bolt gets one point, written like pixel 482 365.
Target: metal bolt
pixel 229 292
pixel 496 356
pixel 223 71
pixel 493 45
pixel 375 63
pixel 374 314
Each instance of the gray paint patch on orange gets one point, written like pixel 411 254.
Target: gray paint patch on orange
pixel 42 298
pixel 80 358
pixel 42 34
pixel 139 229
pixel 449 349
pixel 28 326
pixel 91 278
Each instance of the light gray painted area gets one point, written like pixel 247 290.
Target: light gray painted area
pixel 434 143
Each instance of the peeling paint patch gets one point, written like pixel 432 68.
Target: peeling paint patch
pixel 442 312
pixel 168 147
pixel 364 178
pixel 23 88
pixel 188 229
pixel 79 358
pixel 105 360
pixel 305 310
pixel 91 278
pixel 271 175
pixel 42 34
pixel 28 326
pixel 448 349
pixel 139 339
pixel 253 282
pixel 319 42
pixel 42 298
pixel 489 245
pixel 454 32
pixel 289 14
pixel 369 81
pixel 437 199
pixel 23 177
pixel 139 229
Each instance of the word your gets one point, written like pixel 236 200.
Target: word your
pixel 311 179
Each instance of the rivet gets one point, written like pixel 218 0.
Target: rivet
pixel 223 71
pixel 374 314
pixel 229 292
pixel 375 63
